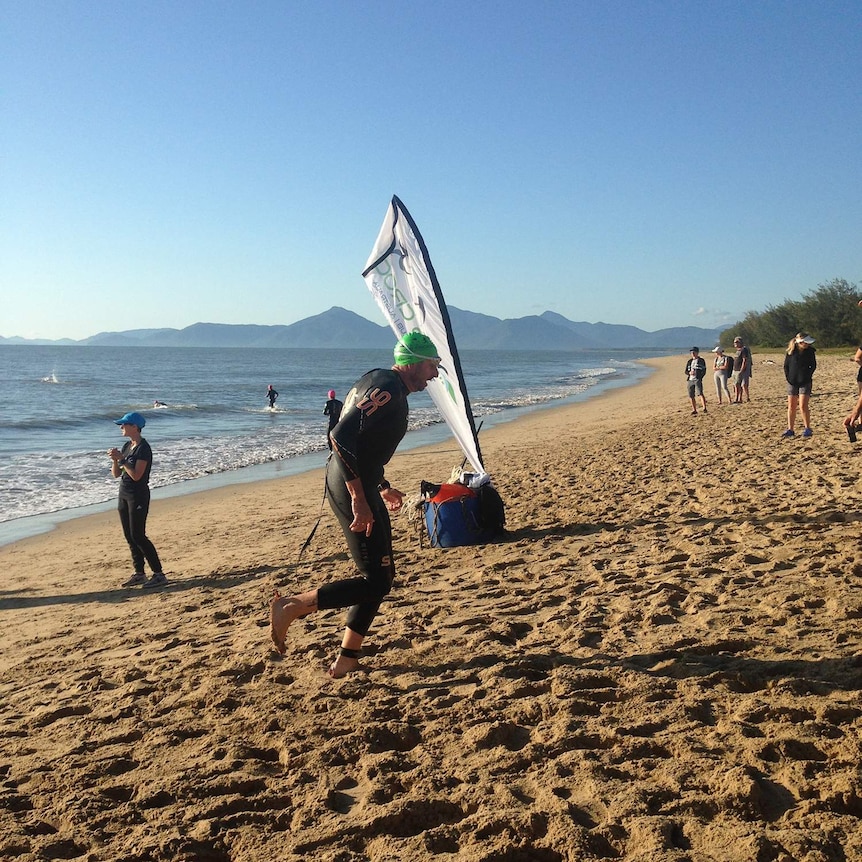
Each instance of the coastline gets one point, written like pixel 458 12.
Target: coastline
pixel 662 660
pixel 28 527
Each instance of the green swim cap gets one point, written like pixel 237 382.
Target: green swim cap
pixel 414 347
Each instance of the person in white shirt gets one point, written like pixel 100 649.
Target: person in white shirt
pixel 722 369
pixel 695 371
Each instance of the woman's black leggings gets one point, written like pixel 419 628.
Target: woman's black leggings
pixel 133 511
pixel 372 555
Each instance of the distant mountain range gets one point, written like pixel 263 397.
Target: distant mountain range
pixel 339 327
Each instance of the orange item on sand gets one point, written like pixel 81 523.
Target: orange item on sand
pixel 452 492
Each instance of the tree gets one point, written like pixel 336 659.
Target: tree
pixel 830 313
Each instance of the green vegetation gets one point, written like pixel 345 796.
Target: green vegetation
pixel 831 314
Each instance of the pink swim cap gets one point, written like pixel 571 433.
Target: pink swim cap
pixel 331 393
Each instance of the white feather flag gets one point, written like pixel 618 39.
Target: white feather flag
pixel 402 280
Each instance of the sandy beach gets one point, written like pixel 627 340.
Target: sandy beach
pixel 661 661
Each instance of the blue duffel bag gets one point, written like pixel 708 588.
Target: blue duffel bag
pixel 456 515
pixel 454 522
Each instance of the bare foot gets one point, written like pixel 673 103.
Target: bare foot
pixel 282 612
pixel 343 666
pixel 278 623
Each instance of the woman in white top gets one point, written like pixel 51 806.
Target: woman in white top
pixel 723 366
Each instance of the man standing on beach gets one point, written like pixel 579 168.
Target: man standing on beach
pixel 741 370
pixel 373 423
pixel 695 371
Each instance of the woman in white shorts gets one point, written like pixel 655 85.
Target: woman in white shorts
pixel 722 365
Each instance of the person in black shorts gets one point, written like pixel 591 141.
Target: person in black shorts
pixel 695 371
pixel 332 409
pixel 373 423
pixel 800 363
pixel 741 371
pixel 132 465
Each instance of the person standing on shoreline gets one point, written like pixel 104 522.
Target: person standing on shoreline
pixel 132 466
pixel 800 363
pixel 741 370
pixel 722 366
pixel 695 371
pixel 373 423
pixel 332 409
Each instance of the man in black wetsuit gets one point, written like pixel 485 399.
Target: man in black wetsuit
pixel 373 423
pixel 271 394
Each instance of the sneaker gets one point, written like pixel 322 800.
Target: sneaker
pixel 157 580
pixel 788 433
pixel 136 580
pixel 807 432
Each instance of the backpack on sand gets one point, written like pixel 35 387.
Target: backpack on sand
pixel 492 512
pixel 456 515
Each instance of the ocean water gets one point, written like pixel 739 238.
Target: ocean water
pixel 57 405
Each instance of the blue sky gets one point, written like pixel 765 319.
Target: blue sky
pixel 651 163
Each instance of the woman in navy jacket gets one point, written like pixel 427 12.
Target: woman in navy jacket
pixel 800 362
